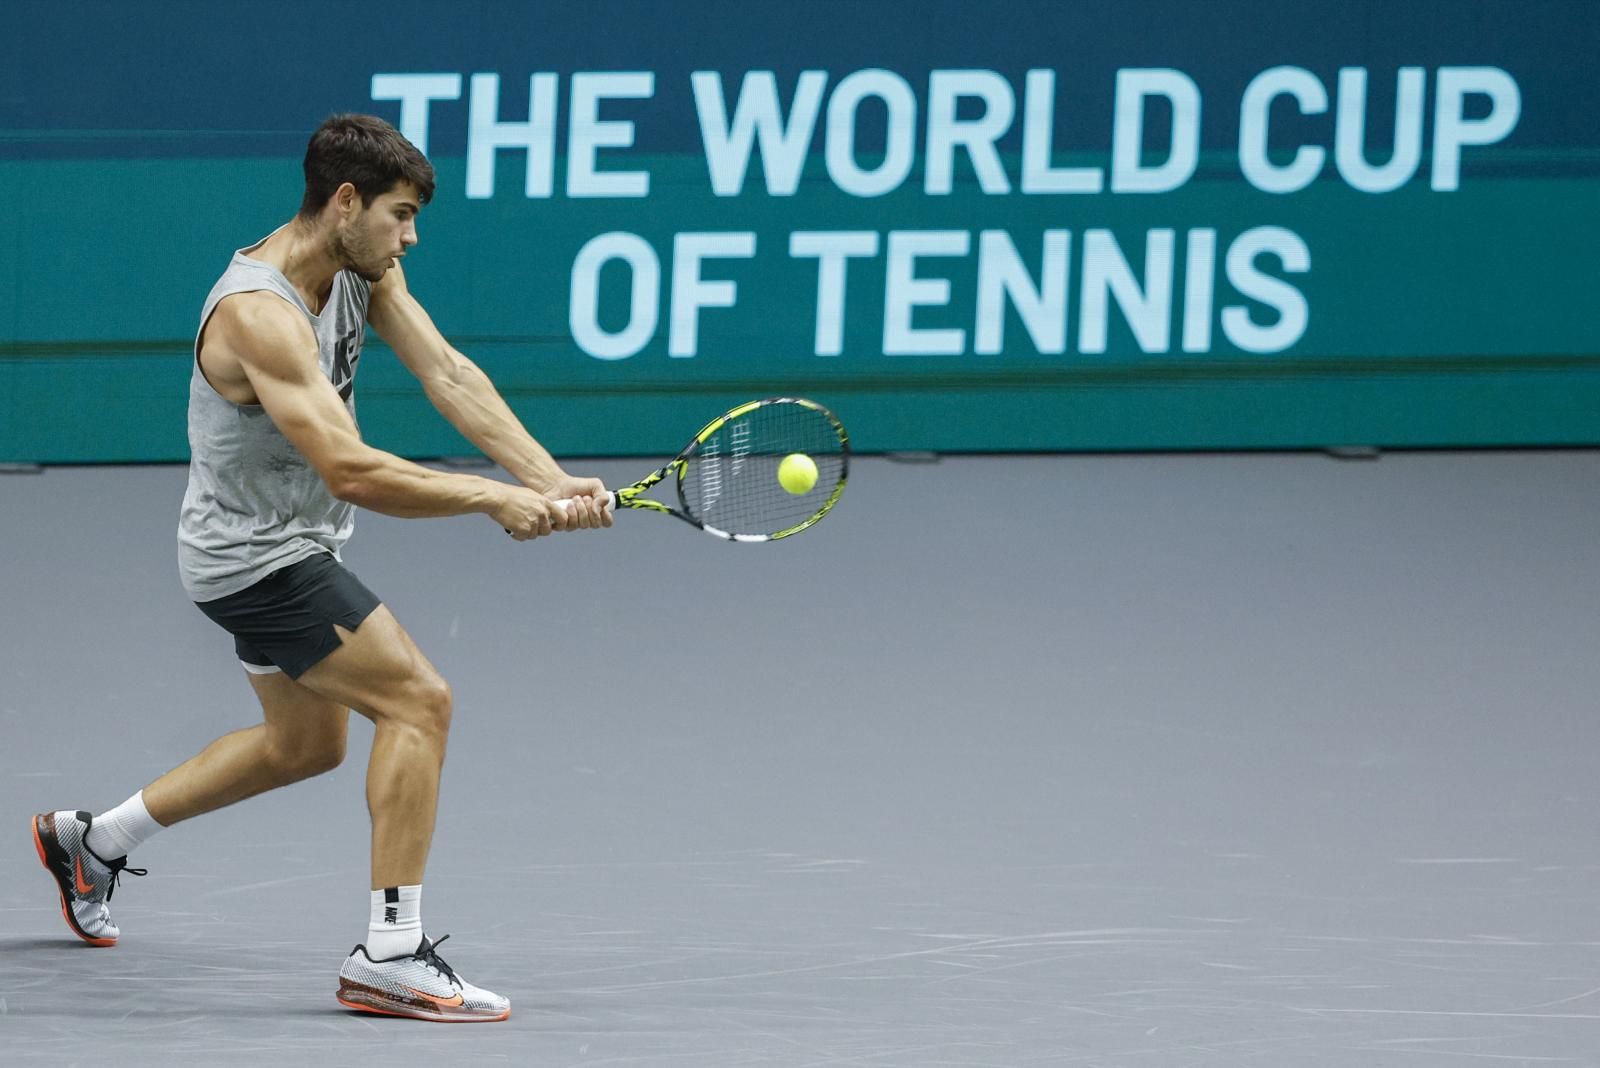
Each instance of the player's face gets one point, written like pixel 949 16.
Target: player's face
pixel 377 236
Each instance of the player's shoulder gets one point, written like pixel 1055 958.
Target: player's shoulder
pixel 263 330
pixel 392 283
pixel 260 314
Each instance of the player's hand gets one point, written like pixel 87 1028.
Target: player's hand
pixel 589 504
pixel 525 514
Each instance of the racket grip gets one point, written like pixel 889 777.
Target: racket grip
pixel 611 501
pixel 566 502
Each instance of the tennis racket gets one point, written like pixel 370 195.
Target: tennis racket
pixel 727 476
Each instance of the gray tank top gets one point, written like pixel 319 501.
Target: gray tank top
pixel 254 504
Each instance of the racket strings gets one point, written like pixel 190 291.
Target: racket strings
pixel 731 481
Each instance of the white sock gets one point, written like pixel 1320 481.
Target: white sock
pixel 395 927
pixel 119 832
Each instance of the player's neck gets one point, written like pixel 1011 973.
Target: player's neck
pixel 304 255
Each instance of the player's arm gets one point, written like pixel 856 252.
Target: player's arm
pixel 278 354
pixel 465 396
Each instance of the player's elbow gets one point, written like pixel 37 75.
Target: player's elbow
pixel 452 383
pixel 350 479
pixel 348 488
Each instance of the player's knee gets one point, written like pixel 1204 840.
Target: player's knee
pixel 306 757
pixel 433 703
pixel 421 705
pixel 327 755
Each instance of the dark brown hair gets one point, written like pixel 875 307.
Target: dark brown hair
pixel 366 152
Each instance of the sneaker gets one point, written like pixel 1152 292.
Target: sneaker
pixel 420 985
pixel 85 880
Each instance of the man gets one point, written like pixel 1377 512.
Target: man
pixel 277 470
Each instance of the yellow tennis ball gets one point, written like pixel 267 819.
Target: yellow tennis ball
pixel 797 473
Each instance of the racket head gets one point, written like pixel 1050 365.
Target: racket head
pixel 727 477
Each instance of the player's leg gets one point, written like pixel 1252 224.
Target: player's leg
pixel 379 671
pixel 301 734
pixel 281 624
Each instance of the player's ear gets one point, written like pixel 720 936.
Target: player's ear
pixel 345 198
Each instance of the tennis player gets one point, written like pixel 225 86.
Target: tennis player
pixel 278 469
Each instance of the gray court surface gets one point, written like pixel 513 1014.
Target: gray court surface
pixel 1134 761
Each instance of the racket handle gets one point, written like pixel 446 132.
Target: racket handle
pixel 610 503
pixel 566 502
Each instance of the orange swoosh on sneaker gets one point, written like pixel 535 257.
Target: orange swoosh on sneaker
pixel 85 887
pixel 454 1001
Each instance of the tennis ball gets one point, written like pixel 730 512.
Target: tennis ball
pixel 797 473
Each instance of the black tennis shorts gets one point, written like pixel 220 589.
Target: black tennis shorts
pixel 285 621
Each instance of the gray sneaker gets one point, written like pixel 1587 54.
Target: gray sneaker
pixel 419 985
pixel 85 880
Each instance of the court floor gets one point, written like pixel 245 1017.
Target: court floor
pixel 1135 761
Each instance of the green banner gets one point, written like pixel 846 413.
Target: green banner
pixel 1297 242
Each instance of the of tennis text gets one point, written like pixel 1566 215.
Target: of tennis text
pixel 949 291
